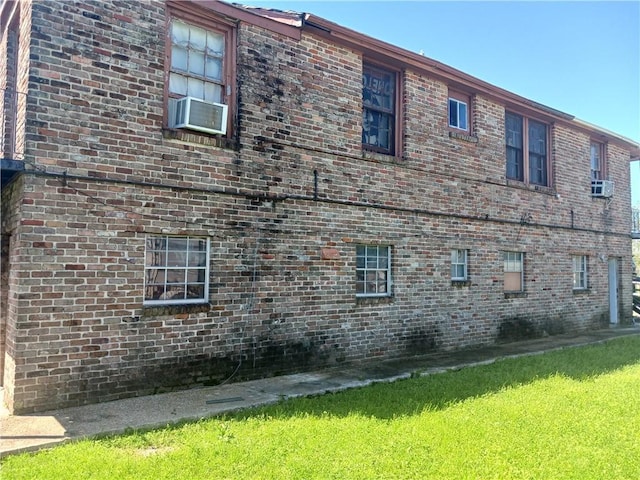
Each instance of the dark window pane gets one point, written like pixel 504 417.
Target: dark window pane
pixel 515 169
pixel 177 243
pixel 155 259
pixel 155 276
pixel 156 243
pixel 537 169
pixel 453 113
pixel 195 291
pixel 197 259
pixel 513 128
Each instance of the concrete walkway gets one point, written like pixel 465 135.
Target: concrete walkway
pixel 20 433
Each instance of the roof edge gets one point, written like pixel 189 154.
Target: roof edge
pixel 405 58
pixel 273 23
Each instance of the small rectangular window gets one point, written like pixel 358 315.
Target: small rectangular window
pixel 373 271
pixel 176 270
pixel 459 265
pixel 597 161
pixel 378 109
pixel 579 272
pixel 513 271
pixel 458 114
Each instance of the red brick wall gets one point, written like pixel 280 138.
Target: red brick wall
pixel 277 303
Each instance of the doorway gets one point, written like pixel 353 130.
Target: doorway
pixel 614 291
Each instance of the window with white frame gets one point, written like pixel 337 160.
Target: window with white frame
pixel 459 265
pixel 579 272
pixel 513 271
pixel 459 112
pixel 176 270
pixel 373 271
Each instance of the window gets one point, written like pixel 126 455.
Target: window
pixel 379 109
pixel 597 161
pixel 176 270
pixel 513 278
pixel 200 59
pixel 196 62
pixel 459 112
pixel 527 154
pixel 10 111
pixel 579 272
pixel 459 265
pixel 373 271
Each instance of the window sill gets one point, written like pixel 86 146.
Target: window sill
pixel 460 283
pixel 581 291
pixel 374 300
pixel 515 294
pixel 528 186
pixel 373 155
pixel 462 135
pixel 199 138
pixel 158 310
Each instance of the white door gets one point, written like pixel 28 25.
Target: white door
pixel 613 291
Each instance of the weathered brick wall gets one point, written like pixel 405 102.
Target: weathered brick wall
pixel 283 253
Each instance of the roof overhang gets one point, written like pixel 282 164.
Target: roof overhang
pixel 283 23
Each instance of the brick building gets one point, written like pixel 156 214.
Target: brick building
pixel 197 192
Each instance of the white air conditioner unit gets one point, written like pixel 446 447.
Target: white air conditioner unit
pixel 602 188
pixel 196 114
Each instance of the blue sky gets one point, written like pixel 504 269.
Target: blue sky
pixel 580 57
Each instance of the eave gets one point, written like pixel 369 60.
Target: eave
pixel 275 23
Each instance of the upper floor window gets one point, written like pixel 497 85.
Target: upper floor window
pixel 200 70
pixel 527 150
pixel 378 109
pixel 197 57
pixel 459 111
pixel 176 270
pixel 373 271
pixel 10 110
pixel 597 161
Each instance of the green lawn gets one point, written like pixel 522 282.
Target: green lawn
pixel 573 413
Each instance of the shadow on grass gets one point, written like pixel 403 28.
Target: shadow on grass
pixel 439 391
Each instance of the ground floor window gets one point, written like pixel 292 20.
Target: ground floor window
pixel 458 265
pixel 513 271
pixel 373 271
pixel 176 270
pixel 579 272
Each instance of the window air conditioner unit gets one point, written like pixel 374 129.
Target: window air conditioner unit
pixel 602 188
pixel 196 114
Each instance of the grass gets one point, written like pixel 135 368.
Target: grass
pixel 569 414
